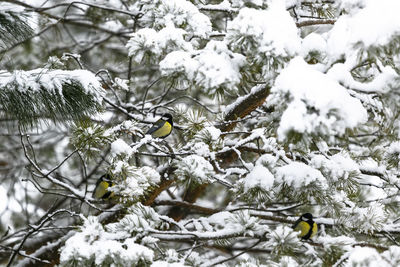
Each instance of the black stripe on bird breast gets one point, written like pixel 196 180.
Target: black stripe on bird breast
pixel 308 235
pixel 106 195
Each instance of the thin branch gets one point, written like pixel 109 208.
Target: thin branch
pixel 237 255
pixel 200 209
pixel 126 12
pixel 315 22
pixel 147 90
pixel 72 190
pixel 34 229
pixel 25 255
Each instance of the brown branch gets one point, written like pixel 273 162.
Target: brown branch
pixel 375 246
pixel 188 205
pixel 315 22
pixel 191 195
pixel 151 196
pixel 243 106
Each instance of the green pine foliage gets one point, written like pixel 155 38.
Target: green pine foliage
pixel 14 27
pixel 29 97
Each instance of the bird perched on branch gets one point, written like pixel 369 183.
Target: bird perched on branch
pixel 102 185
pixel 163 127
pixel 306 226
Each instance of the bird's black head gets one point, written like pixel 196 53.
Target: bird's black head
pixel 306 217
pixel 167 117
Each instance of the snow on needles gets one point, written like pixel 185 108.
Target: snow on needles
pixel 181 13
pixel 318 104
pixel 119 146
pixel 213 67
pixel 260 177
pixel 52 80
pixel 298 174
pixel 273 31
pixel 368 27
pixel 336 167
pixel 195 167
pixel 137 180
pixel 94 246
pixel 365 256
pixel 148 40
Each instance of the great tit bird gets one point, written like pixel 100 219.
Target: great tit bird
pixel 163 127
pixel 306 226
pixel 102 185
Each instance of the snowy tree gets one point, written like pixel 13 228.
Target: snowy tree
pixel 280 108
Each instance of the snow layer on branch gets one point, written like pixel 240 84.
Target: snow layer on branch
pixel 119 146
pixel 392 255
pixel 260 177
pixel 271 32
pixel 215 133
pixel 181 13
pixel 383 81
pixel 93 245
pixel 366 220
pixel 156 43
pixel 135 181
pixel 239 100
pixel 317 105
pixel 394 148
pixel 298 174
pixel 337 167
pixel 232 222
pixel 139 218
pixel 368 27
pixel 194 167
pixel 52 81
pixel 313 42
pixel 365 257
pixel 211 68
pixel 45 94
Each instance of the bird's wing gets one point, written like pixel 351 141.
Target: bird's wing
pixel 296 223
pixel 157 125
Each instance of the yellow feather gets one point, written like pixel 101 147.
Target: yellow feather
pixel 303 228
pixel 102 189
pixel 163 131
pixel 314 230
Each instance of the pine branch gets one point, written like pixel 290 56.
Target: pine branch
pixel 199 209
pixel 13 27
pixel 48 94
